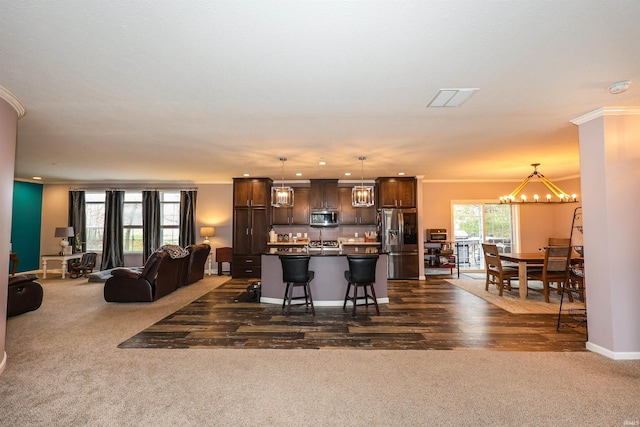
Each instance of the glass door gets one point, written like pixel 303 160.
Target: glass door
pixel 476 223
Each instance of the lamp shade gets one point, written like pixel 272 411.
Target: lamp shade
pixel 207 231
pixel 64 232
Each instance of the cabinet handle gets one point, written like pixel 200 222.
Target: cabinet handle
pixel 246 231
pixel 248 261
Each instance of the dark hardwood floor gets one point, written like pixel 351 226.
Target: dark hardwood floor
pixel 421 315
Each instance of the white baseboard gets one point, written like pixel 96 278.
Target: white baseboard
pixel 615 355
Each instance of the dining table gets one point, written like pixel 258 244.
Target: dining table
pixel 524 260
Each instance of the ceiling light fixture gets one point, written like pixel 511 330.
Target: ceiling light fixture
pixel 282 197
pixel 562 196
pixel 619 87
pixel 361 195
pixel 452 97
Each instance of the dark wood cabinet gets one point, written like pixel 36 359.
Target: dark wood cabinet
pixel 324 194
pixel 298 214
pixel 354 216
pixel 251 192
pixel 251 222
pixel 396 192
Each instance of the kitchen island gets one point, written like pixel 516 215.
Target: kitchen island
pixel 329 285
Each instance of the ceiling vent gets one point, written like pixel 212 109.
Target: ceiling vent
pixel 451 97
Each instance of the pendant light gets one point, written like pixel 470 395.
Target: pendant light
pixel 362 195
pixel 282 197
pixel 562 197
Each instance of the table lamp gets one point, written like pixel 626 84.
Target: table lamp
pixel 207 232
pixel 65 233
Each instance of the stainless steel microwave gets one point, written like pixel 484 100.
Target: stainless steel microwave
pixel 436 235
pixel 324 218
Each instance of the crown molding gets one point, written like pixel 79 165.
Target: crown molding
pixel 606 111
pixel 13 101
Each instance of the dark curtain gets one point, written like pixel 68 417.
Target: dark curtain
pixel 188 217
pixel 112 245
pixel 78 220
pixel 150 222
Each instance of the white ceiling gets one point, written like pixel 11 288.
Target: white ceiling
pixel 205 91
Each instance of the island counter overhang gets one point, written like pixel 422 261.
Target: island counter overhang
pixel 329 286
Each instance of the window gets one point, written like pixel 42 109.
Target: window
pixel 169 217
pixel 478 222
pixel 132 222
pixel 94 209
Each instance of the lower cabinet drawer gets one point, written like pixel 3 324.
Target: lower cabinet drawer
pixel 246 266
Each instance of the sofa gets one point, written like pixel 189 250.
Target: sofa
pixel 24 294
pixel 198 255
pixel 163 273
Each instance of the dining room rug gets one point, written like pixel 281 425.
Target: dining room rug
pixel 511 301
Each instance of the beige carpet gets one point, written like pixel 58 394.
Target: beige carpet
pixel 511 301
pixel 64 369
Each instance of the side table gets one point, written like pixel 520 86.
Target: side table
pixel 62 258
pixel 13 258
pixel 223 255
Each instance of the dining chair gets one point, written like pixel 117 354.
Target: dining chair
pixel 497 273
pixel 559 241
pixel 554 270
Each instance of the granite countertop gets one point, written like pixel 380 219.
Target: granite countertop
pixel 349 250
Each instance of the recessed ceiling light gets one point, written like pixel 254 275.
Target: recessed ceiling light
pixel 245 174
pixel 619 87
pixel 451 97
pixel 400 173
pixel 298 173
pixel 37 177
pixel 347 174
pixel 322 163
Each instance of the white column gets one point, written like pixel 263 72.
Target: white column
pixel 610 179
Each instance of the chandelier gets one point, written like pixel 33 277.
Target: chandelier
pixel 282 197
pixel 362 195
pixel 561 196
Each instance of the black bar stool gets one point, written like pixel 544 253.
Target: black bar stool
pixel 361 274
pixel 295 272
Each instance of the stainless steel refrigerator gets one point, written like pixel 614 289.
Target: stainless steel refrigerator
pixel 398 230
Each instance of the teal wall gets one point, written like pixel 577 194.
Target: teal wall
pixel 26 224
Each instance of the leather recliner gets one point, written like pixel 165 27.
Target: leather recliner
pixel 126 285
pixel 197 259
pixel 24 294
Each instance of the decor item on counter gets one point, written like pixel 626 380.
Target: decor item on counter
pixel 282 197
pixel 562 196
pixel 362 195
pixel 65 233
pixel 207 232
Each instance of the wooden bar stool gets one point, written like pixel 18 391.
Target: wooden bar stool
pixel 361 274
pixel 295 273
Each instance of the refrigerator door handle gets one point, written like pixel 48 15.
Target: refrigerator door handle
pixel 401 229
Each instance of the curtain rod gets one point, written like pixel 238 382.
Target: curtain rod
pixel 132 188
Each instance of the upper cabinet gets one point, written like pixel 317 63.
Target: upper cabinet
pixel 324 194
pixel 251 192
pixel 396 192
pixel 298 214
pixel 354 216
